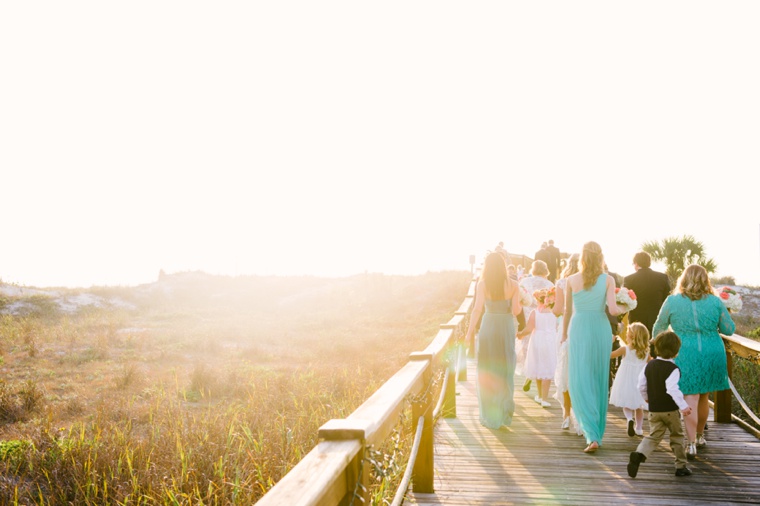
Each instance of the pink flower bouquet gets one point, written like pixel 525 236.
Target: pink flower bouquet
pixel 730 298
pixel 626 298
pixel 545 297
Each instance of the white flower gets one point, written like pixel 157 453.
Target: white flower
pixel 626 298
pixel 730 298
pixel 526 299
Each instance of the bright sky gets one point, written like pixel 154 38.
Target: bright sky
pixel 331 138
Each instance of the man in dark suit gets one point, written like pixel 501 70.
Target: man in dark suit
pixel 651 289
pixel 542 254
pixel 552 260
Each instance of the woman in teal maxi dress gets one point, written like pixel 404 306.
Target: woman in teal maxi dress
pixel 497 300
pixel 590 344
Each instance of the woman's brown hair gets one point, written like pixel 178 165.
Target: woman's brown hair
pixel 495 276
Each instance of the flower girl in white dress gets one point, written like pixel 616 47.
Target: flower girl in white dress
pixel 541 358
pixel 625 391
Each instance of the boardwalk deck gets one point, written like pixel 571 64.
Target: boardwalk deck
pixel 537 463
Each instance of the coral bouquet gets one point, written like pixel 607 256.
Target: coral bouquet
pixel 730 298
pixel 626 298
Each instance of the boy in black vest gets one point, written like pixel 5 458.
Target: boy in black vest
pixel 658 384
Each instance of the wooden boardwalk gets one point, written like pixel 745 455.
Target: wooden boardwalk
pixel 537 463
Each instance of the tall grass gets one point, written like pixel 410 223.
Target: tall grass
pixel 746 373
pixel 209 391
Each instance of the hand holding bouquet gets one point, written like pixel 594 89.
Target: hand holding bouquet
pixel 626 298
pixel 526 299
pixel 730 298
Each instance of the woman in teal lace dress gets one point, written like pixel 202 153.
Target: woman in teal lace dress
pixel 697 316
pixel 586 328
pixel 497 294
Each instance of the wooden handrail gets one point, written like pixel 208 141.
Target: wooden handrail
pixel 335 471
pixel 741 347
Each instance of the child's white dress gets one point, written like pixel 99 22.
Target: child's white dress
pixel 625 391
pixel 560 375
pixel 541 359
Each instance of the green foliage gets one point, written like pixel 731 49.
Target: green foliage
pixel 746 377
pixel 13 452
pixel 678 253
pixel 725 280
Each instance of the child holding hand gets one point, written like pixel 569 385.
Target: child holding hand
pixel 541 358
pixel 625 389
pixel 658 384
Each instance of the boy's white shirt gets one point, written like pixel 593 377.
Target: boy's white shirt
pixel 671 385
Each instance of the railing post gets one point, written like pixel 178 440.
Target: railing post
pixel 449 408
pixel 357 471
pixel 423 472
pixel 456 362
pixel 723 398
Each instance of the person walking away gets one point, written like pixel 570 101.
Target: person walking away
pixel 541 358
pixel 625 388
pixel 586 327
pixel 658 383
pixel 536 281
pixel 562 393
pixel 651 288
pixel 497 300
pixel 552 260
pixel 698 316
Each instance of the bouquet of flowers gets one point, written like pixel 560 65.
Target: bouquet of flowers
pixel 730 298
pixel 626 298
pixel 526 299
pixel 546 297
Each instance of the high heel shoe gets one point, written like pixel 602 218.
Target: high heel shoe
pixel 691 451
pixel 565 423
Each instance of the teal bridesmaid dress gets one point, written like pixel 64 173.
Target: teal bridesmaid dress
pixel 589 348
pixel 496 364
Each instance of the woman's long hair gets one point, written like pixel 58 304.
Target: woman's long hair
pixel 694 283
pixel 572 266
pixel 592 263
pixel 495 276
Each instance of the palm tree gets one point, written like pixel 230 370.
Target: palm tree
pixel 677 253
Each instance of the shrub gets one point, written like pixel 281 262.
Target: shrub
pixel 725 280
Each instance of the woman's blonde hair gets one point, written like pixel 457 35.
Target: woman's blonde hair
pixel 592 263
pixel 572 266
pixel 539 268
pixel 638 339
pixel 694 283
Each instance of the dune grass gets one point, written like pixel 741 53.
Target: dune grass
pixel 199 389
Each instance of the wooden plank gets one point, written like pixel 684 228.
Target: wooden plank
pixel 319 478
pixel 743 347
pixel 535 462
pixel 379 414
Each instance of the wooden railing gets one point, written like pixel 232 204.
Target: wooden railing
pixel 736 346
pixel 336 471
